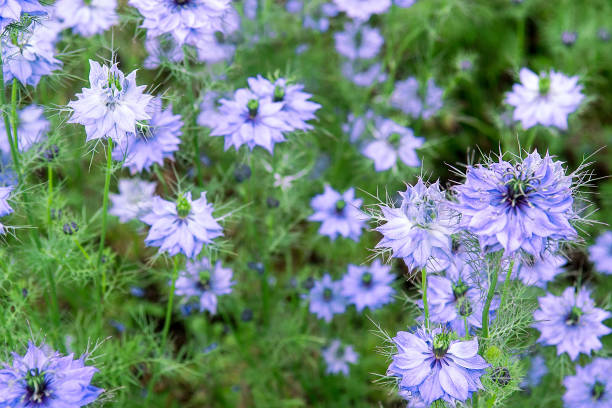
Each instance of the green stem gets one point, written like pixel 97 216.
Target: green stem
pixel 506 283
pixel 424 290
pixel 467 327
pixel 7 122
pixel 170 303
pixel 49 192
pixel 490 294
pixel 109 169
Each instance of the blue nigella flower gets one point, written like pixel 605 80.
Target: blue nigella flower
pixel 339 214
pixel 537 370
pixel 12 10
pixel 184 226
pixel 113 106
pixel 87 17
pixel 407 98
pixel 32 129
pixel 368 286
pixel 591 387
pixel 392 141
pixel 203 281
pixel 362 9
pixel 134 200
pixel 5 208
pixel 162 49
pixel 356 126
pixel 571 322
pixel 358 41
pixel 326 298
pixel 42 378
pixel 363 74
pixel 28 56
pixel 537 271
pixel 419 231
pixel 601 253
pixel 523 205
pixel 432 366
pixel 337 357
pixel 154 141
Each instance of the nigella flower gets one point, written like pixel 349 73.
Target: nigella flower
pixel 364 75
pixel 338 357
pixel 203 281
pixel 326 298
pixel 42 378
pixel 391 142
pixel 408 98
pixel 368 286
pixel 184 226
pixel 185 20
pixel 12 10
pixel 28 56
pixel 591 387
pixel 356 126
pixel 601 253
pixel 87 17
pixel 162 49
pixel 537 370
pixel 252 120
pixel 547 99
pixel 154 141
pixel 523 205
pixel 134 200
pixel 433 366
pixel 209 110
pixel 358 41
pixel 112 106
pixel 5 208
pixel 571 322
pixel 362 9
pixel 297 108
pixel 339 214
pixel 32 129
pixel 419 231
pixel 534 271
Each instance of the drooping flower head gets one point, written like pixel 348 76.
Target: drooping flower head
pixel 29 55
pixel 362 9
pixel 12 10
pixel 547 99
pixel 326 298
pixel 43 378
pixel 408 98
pixel 32 129
pixel 419 230
pixel 5 208
pixel 358 41
pixel 252 120
pixel 112 106
pixel 338 357
pixel 87 17
pixel 433 366
pixel 134 200
pixel 154 141
pixel 297 108
pixel 393 141
pixel 203 281
pixel 591 387
pixel 526 205
pixel 571 322
pixel 601 253
pixel 368 286
pixel 184 226
pixel 339 214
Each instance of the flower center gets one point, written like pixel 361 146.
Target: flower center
pixel 183 208
pixel 340 206
pixel 279 93
pixel 598 390
pixel 36 385
pixel 464 307
pixel 367 279
pixel 253 106
pixel 182 2
pixel 501 375
pixel 327 294
pixel 460 289
pixel 340 352
pixel 114 82
pixel 395 139
pixel 204 280
pixel 517 191
pixel 573 318
pixel 441 343
pixel 544 84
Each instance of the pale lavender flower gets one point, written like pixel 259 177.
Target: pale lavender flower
pixel 87 17
pixel 362 9
pixel 326 298
pixel 185 226
pixel 364 75
pixel 113 106
pixel 43 378
pixel 206 283
pixel 209 110
pixel 591 387
pixel 5 208
pixel 339 214
pixel 368 286
pixel 407 98
pixel 601 253
pixel 419 231
pixel 358 41
pixel 12 10
pixel 537 370
pixel 153 142
pixel 433 367
pixel 211 50
pixel 134 200
pixel 162 49
pixel 404 3
pixel 392 141
pixel 571 322
pixel 538 272
pixel 32 129
pixel 356 126
pixel 294 6
pixel 338 357
pixel 568 38
pixel 547 99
